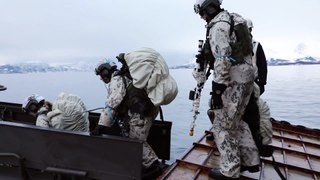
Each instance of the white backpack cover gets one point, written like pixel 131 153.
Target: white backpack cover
pixel 69 113
pixel 149 70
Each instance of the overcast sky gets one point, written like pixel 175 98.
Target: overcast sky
pixel 68 30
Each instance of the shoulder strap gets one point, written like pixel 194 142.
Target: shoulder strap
pixel 255 45
pixel 231 25
pixel 207 35
pixel 161 113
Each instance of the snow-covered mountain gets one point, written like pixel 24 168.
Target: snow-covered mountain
pixel 86 66
pixel 44 67
pixel 299 61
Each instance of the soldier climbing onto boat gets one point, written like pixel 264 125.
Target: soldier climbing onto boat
pixel 232 86
pixel 131 108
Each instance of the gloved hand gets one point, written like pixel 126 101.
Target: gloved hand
pixel 199 57
pixel 120 57
pixel 98 130
pixel 217 90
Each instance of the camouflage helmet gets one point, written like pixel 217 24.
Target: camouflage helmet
pixel 105 65
pixel 200 5
pixel 105 69
pixel 31 103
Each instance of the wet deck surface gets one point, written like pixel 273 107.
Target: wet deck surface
pixel 296 153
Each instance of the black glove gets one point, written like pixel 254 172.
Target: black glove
pixel 217 90
pixel 199 57
pixel 98 130
pixel 120 57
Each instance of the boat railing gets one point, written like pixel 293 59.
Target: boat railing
pixel 38 152
pixel 159 137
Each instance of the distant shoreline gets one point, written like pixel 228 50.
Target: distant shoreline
pixel 191 66
pixel 43 67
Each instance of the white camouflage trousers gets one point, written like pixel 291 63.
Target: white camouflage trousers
pixel 232 135
pixel 139 129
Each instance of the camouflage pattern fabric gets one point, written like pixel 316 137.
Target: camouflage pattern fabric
pixel 42 119
pixel 116 91
pixel 232 135
pixel 139 128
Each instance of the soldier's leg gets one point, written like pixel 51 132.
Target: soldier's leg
pixel 226 126
pixel 248 150
pixel 139 129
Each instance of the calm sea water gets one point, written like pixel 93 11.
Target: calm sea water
pixel 291 92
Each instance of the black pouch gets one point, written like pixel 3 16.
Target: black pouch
pixel 266 150
pixel 160 137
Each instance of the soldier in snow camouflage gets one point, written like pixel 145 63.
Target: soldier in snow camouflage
pixel 232 86
pixel 35 105
pixel 116 109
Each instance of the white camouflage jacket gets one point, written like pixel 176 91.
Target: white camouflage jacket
pixel 42 119
pixel 115 93
pixel 220 40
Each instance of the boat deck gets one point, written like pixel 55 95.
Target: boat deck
pixel 296 153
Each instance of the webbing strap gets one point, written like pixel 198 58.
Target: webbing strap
pixel 161 113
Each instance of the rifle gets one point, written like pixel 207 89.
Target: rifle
pixel 199 73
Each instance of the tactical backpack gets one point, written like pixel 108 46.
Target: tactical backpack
pixel 151 85
pixel 149 71
pixel 243 46
pixel 240 49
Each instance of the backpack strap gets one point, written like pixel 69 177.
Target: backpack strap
pixel 211 64
pixel 231 24
pixel 124 70
pixel 207 45
pixel 161 113
pixel 207 48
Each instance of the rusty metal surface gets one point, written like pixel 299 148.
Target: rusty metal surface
pixel 297 154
